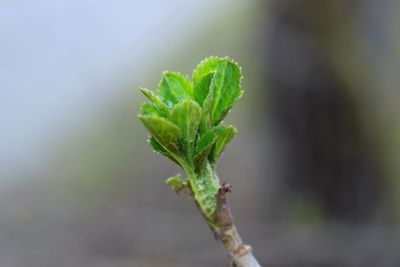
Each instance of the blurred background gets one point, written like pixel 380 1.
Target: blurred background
pixel 314 167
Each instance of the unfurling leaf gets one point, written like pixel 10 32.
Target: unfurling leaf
pixel 165 132
pixel 160 149
pixel 203 148
pixel 148 109
pixel 174 87
pixel 176 183
pixel 226 90
pixel 205 123
pixel 226 75
pixel 161 107
pixel 205 67
pixel 224 135
pixel 202 88
pixel 186 116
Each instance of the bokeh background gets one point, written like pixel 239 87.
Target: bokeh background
pixel 314 168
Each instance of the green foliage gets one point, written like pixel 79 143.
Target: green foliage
pixel 165 132
pixel 174 87
pixel 176 183
pixel 224 135
pixel 225 82
pixel 184 119
pixel 203 148
pixel 186 115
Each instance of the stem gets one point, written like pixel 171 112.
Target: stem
pixel 221 222
pixel 239 254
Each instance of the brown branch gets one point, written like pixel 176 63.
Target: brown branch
pixel 240 255
pixel 224 230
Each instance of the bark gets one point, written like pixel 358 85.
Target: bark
pixel 224 230
pixel 239 254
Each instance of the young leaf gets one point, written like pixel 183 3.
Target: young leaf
pixel 148 109
pixel 226 78
pixel 205 67
pixel 205 122
pixel 203 77
pixel 201 88
pixel 165 132
pixel 176 183
pixel 160 149
pixel 226 89
pixel 155 99
pixel 203 148
pixel 225 134
pixel 174 87
pixel 186 116
pixel 205 140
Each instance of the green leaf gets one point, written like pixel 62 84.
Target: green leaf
pixel 203 148
pixel 165 132
pixel 226 76
pixel 205 140
pixel 174 87
pixel 205 67
pixel 202 88
pixel 160 149
pixel 176 183
pixel 205 122
pixel 186 116
pixel 148 109
pixel 226 89
pixel 203 76
pixel 225 135
pixel 155 99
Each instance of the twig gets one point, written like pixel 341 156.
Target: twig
pixel 239 254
